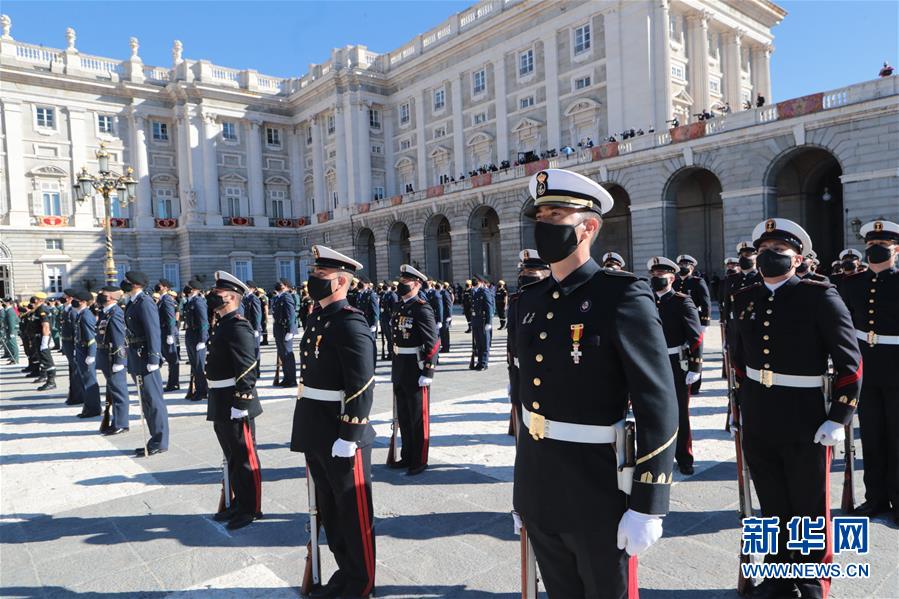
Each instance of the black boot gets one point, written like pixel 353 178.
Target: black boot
pixel 50 384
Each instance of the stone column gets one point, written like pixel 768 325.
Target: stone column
pixel 389 172
pixel 363 152
pixel 142 206
pixel 82 211
pixel 211 201
pixel 297 185
pixel 763 70
pixel 185 176
pixel 193 210
pixel 19 213
pixel 383 269
pixel 502 122
pixel 461 254
pixel 699 61
pixel 458 126
pixel 733 70
pixel 349 175
pixel 341 161
pixel 420 135
pixel 661 65
pixel 551 74
pixel 255 183
pixel 318 168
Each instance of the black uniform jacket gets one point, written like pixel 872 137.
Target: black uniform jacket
pixel 873 301
pixel 231 354
pixel 337 348
pixel 680 322
pixel 698 290
pixel 413 325
pixel 511 356
pixel 564 486
pixel 793 332
pixel 733 284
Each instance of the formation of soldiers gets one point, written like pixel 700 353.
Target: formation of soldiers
pixel 794 342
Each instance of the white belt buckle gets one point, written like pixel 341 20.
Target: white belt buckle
pixel 766 378
pixel 872 338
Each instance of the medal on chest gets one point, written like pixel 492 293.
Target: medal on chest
pixel 318 341
pixel 576 331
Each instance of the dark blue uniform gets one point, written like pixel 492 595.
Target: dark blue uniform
pixel 142 337
pixel 284 315
pixel 251 309
pixel 483 307
pixel 388 303
pixel 196 332
pixel 168 327
pixel 111 352
pixel 86 347
pixel 67 341
pixel 367 302
pixel 446 296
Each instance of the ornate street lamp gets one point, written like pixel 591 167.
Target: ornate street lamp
pixel 106 182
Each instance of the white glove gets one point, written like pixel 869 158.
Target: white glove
pixel 238 414
pixel 201 346
pixel 637 532
pixel 439 325
pixel 152 367
pixel 374 329
pixel 118 367
pixel 288 337
pixel 169 340
pixel 692 377
pixel 704 329
pixel 449 321
pixel 45 343
pixel 424 381
pixel 343 448
pixel 90 360
pixel 830 433
pixel 489 327
pixel 516 523
pixel 257 334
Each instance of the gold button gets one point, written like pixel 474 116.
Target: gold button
pixel 549 316
pixel 771 298
pixel 873 291
pixel 539 357
pixel 312 329
pixel 305 353
pixel 766 323
pixel 543 335
pixel 304 366
pixel 537 382
pixel 870 322
pixel 870 311
pixel 769 311
pixel 555 295
pixel 766 351
pixel 767 366
pixel 765 337
pixel 871 301
pixel 536 405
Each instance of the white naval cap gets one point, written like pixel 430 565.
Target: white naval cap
pixel 850 253
pixel 559 187
pixel 325 257
pixel 661 262
pixel 531 259
pixel 785 230
pixel 409 271
pixel 731 260
pixel 613 256
pixel 745 246
pixel 227 281
pixel 686 258
pixel 880 229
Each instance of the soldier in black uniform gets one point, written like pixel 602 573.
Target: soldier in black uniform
pixel 416 343
pixel 809 267
pixel 168 327
pixel 502 295
pixel 40 319
pixel 613 260
pixel 531 268
pixel 112 358
pixel 483 306
pixel 263 301
pixel 196 332
pixel 588 328
pixel 305 305
pixel 850 263
pixel 691 283
pixel 284 327
pixel 785 328
pixel 367 302
pixel 448 299
pixel 683 336
pixel 233 402
pixel 466 304
pixel 331 426
pixel 873 300
pixel 251 309
pixel 85 352
pixel 389 300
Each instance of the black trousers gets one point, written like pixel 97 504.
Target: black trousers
pixel 878 414
pixel 683 452
pixel 238 441
pixel 170 354
pixel 584 564
pixel 793 479
pixel 343 494
pixel 386 338
pixel 445 337
pixel 413 412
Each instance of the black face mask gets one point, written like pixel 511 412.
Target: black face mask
pixel 555 242
pixel 877 254
pixel 658 283
pixel 126 286
pixel 848 266
pixel 802 269
pixel 76 304
pixel 319 288
pixel 215 301
pixel 527 280
pixel 731 271
pixel 773 264
pixel 746 263
pixel 684 271
pixel 102 298
pixel 403 289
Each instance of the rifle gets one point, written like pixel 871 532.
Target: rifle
pixel 725 370
pixel 227 493
pixel 107 411
pixel 394 425
pixel 312 573
pixel 744 584
pixel 848 502
pixel 138 381
pixel 277 372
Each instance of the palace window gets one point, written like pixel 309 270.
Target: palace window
pixel 278 198
pixel 480 118
pixel 164 200
pixel 243 269
pixel 54 244
pixel 439 131
pixel 479 82
pixel 172 272
pixel 54 278
pixel 582 82
pixel 50 199
pixel 439 99
pixel 332 124
pixel 46 117
pixel 378 193
pixel 404 114
pixel 229 131
pixel 526 63
pixel 582 39
pixel 160 131
pixel 374 118
pixel 105 123
pixel 526 102
pixel 273 136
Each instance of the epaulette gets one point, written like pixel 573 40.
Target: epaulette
pixel 817 283
pixel 618 273
pixel 747 288
pixel 421 301
pixel 350 308
pixel 681 295
pixel 854 274
pixel 239 317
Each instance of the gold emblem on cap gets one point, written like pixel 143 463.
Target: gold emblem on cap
pixel 770 225
pixel 878 226
pixel 542 177
pixel 315 252
pixel 527 255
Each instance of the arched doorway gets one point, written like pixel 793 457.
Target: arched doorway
pixel 398 249
pixel 365 253
pixel 484 252
pixel 6 281
pixel 615 235
pixel 527 227
pixel 808 191
pixel 438 248
pixel 695 218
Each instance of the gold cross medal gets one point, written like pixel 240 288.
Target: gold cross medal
pixel 318 341
pixel 576 331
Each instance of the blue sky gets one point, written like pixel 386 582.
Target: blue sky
pixel 821 45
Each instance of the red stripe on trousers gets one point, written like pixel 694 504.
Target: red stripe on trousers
pixel 828 525
pixel 364 529
pixel 849 378
pixel 426 425
pixel 254 464
pixel 633 591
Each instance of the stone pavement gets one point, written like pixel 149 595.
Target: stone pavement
pixel 82 518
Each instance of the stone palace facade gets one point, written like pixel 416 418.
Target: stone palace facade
pixel 423 154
